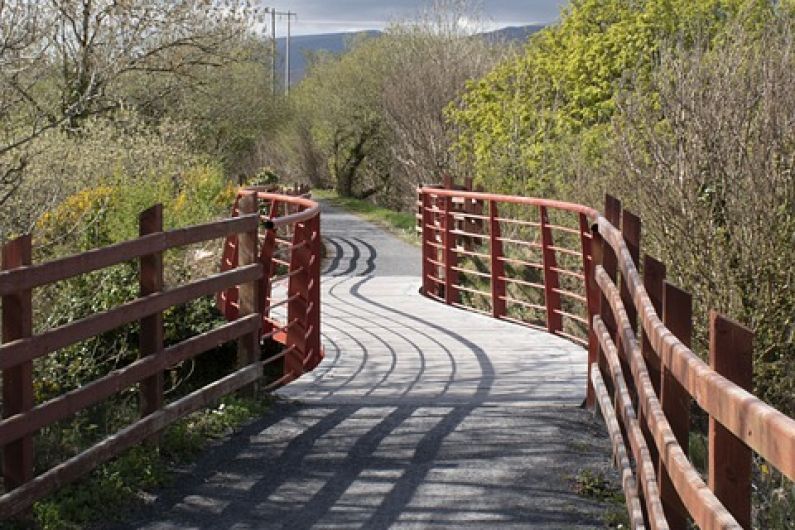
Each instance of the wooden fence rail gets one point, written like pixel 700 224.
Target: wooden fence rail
pixel 23 418
pixel 641 370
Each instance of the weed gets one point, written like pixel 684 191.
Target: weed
pixel 117 485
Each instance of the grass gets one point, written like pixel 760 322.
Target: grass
pixel 593 484
pixel 115 487
pixel 401 224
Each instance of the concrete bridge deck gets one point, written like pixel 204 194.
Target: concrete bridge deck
pixel 420 416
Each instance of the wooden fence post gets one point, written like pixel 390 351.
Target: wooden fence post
pixel 653 278
pixel 248 350
pixel 594 299
pixel 498 291
pixel 631 229
pixel 731 355
pixel 610 264
pixel 551 280
pixel 151 338
pixel 674 399
pixel 17 320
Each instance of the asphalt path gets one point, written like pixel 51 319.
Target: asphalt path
pixel 420 416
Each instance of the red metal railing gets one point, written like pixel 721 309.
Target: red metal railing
pixel 289 292
pixel 641 370
pixel 252 317
pixel 516 258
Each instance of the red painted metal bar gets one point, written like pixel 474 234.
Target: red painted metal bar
pixel 299 226
pixel 450 258
pixel 551 278
pixel 429 270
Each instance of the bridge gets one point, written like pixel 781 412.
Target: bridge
pixel 451 385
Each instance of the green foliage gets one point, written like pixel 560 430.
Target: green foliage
pixel 519 123
pixel 341 98
pixel 372 118
pixel 113 487
pixel 594 484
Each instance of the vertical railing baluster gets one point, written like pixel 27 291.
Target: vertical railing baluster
pixel 314 291
pixel 227 300
pixel 266 259
pixel 729 467
pixel 450 261
pixel 551 280
pixel 17 319
pixel 498 290
pixel 428 234
pixel 298 304
pixel 151 337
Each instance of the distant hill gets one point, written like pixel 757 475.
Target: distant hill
pixel 513 33
pixel 337 43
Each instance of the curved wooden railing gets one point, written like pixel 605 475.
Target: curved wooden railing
pixel 643 378
pixel 249 324
pixel 289 292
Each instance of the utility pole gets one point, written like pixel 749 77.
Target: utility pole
pixel 272 12
pixel 273 51
pixel 289 14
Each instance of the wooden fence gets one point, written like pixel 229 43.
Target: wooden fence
pixel 23 418
pixel 641 370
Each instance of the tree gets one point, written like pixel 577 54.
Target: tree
pixel 341 97
pixel 377 111
pixel 433 57
pixel 519 124
pixel 66 60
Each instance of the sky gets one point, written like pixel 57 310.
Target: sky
pixel 332 16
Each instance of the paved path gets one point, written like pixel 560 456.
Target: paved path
pixel 420 416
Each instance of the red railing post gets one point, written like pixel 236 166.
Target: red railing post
pixel 248 351
pixel 498 292
pixel 450 256
pixel 677 315
pixel 551 280
pixel 428 233
pixel 298 300
pixel 266 259
pixel 729 467
pixel 227 300
pixel 17 320
pixel 151 337
pixel 315 354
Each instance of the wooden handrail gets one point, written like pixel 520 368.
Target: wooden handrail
pixel 247 279
pixel 658 363
pixel 765 429
pixel 32 276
